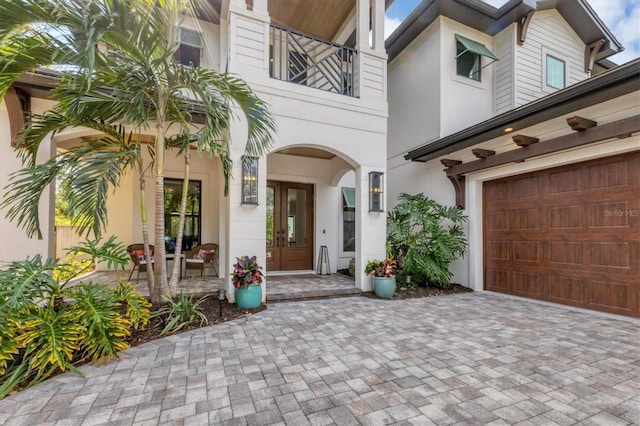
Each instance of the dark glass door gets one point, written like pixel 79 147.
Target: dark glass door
pixel 289 226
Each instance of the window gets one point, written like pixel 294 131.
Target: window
pixel 469 55
pixel 467 63
pixel 555 77
pixel 192 226
pixel 348 219
pixel 190 48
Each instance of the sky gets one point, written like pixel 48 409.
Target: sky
pixel 622 17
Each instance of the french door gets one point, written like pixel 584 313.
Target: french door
pixel 289 226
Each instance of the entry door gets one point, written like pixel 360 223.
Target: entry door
pixel 289 226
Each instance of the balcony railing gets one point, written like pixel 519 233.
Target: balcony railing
pixel 302 59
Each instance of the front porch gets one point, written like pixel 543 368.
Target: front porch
pixel 280 287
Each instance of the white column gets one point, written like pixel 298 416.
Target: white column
pixel 362 25
pixel 371 228
pixel 261 6
pixel 246 231
pixel 377 12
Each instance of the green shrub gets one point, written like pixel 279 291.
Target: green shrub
pixel 181 312
pixel 425 237
pixel 47 325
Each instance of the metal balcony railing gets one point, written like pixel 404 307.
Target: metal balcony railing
pixel 302 59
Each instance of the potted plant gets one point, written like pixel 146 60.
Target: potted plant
pixel 383 273
pixel 247 277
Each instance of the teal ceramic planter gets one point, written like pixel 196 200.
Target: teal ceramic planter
pixel 384 287
pixel 249 297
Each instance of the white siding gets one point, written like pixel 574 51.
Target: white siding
pixel 547 31
pixel 504 43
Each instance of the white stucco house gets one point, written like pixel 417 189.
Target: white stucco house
pixel 500 111
pixel 321 66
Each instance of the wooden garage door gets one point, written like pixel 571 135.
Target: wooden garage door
pixel 568 235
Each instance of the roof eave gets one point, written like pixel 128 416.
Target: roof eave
pixel 608 85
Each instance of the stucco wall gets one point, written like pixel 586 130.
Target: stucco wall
pixel 15 244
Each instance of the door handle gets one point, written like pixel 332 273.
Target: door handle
pixel 277 238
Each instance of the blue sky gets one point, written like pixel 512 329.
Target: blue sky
pixel 621 16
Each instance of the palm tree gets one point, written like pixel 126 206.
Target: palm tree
pixel 117 67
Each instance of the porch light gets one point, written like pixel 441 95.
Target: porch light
pixel 249 180
pixel 375 192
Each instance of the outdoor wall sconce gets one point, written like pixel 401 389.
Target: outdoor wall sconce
pixel 249 180
pixel 222 294
pixel 375 192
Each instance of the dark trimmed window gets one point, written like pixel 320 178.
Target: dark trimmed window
pixel 467 63
pixel 555 75
pixel 193 222
pixel 190 48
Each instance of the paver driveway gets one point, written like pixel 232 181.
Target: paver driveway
pixel 466 359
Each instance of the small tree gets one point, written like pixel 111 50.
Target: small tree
pixel 425 237
pixel 117 65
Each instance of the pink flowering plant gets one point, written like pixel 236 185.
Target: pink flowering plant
pixel 246 272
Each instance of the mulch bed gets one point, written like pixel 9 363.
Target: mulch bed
pixel 415 293
pixel 211 309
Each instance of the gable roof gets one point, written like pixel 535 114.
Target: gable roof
pixel 608 85
pixel 486 18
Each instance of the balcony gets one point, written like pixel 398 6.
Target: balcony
pixel 308 61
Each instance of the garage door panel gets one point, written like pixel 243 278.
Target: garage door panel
pixel 610 295
pixel 608 175
pixel 565 217
pixel 527 284
pixel 610 255
pixel 566 252
pixel 609 214
pixel 527 251
pixel 569 235
pixel 565 181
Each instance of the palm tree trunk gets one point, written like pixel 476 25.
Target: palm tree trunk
pixel 173 283
pixel 161 286
pixel 145 235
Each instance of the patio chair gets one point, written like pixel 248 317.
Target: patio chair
pixel 201 257
pixel 136 251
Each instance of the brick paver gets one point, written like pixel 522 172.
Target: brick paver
pixel 466 359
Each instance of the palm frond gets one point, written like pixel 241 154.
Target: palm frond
pixel 25 282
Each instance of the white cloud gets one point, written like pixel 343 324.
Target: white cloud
pixel 496 3
pixel 390 24
pixel 622 17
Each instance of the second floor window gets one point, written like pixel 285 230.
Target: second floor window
pixel 467 62
pixel 190 49
pixel 469 55
pixel 555 72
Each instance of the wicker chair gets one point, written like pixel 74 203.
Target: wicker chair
pixel 136 252
pixel 201 257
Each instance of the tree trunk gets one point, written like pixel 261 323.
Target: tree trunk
pixel 161 286
pixel 145 235
pixel 173 283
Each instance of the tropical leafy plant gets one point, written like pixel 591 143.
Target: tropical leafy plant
pixel 181 312
pixel 425 237
pixel 117 75
pixel 381 268
pixel 246 271
pixel 48 323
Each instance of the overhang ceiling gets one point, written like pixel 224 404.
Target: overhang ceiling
pixel 307 152
pixel 320 18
